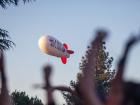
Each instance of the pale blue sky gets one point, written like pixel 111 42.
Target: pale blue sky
pixel 70 21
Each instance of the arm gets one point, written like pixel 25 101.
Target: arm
pixel 116 92
pixel 59 88
pixel 86 80
pixel 65 88
pixel 4 96
pixel 49 89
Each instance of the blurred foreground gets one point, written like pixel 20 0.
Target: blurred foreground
pixel 120 93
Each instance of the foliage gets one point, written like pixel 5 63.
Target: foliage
pixel 103 72
pixel 103 75
pixel 4 3
pixel 21 98
pixel 5 43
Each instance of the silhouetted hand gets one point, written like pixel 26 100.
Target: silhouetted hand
pixel 132 41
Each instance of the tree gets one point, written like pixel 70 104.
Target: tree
pixel 103 74
pixel 5 43
pixel 4 3
pixel 21 98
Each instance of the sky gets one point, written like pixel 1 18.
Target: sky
pixel 72 22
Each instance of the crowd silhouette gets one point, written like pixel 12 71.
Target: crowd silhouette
pixel 120 93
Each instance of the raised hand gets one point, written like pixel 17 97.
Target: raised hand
pixel 116 95
pixel 86 80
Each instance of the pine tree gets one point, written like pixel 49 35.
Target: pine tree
pixel 103 75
